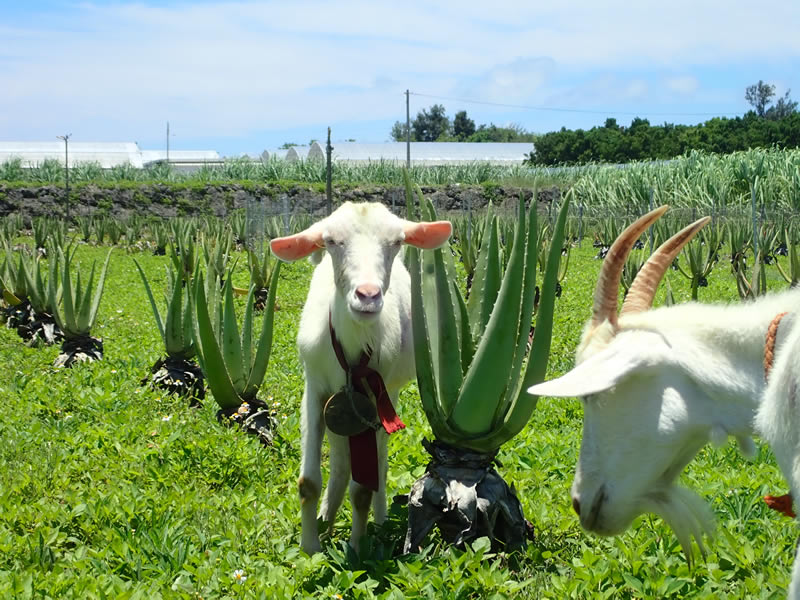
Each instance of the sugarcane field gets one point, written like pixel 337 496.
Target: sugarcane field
pixel 180 392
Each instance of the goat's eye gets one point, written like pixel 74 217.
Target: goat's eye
pixel 331 242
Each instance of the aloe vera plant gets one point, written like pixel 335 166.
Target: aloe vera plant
pixel 14 286
pixel 177 372
pixel 261 265
pixel 235 363
pixel 472 376
pixel 40 326
pixel 701 254
pixel 160 235
pixel 790 244
pixel 77 311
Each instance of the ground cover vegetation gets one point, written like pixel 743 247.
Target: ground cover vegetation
pixel 112 489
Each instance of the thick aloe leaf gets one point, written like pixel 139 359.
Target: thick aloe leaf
pixel 486 283
pixel 69 305
pixel 247 331
pixel 175 340
pixel 84 300
pixel 98 293
pixel 449 358
pixel 524 405
pixel 465 335
pixel 188 323
pixel 526 312
pixel 153 305
pixel 486 379
pixel 426 381
pixel 213 364
pixel 264 345
pixel 231 342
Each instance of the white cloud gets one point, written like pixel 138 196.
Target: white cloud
pixel 685 85
pixel 225 69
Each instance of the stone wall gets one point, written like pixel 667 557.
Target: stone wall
pixel 169 200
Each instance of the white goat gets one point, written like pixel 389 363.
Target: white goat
pixel 656 385
pixel 350 298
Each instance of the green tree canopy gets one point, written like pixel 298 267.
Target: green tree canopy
pixel 463 126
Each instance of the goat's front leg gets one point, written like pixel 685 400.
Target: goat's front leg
pixel 379 498
pixel 338 478
pixel 310 482
pixel 360 498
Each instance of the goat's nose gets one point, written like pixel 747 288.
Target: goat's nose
pixel 368 292
pixel 576 505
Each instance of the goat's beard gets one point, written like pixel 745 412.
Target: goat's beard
pixel 686 512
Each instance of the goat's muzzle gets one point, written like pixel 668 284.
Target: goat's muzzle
pixel 367 300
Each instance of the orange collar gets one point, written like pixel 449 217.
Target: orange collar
pixel 769 343
pixel 782 504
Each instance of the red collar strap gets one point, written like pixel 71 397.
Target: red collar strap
pixel 363 446
pixel 782 504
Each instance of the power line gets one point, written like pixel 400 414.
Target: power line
pixel 576 110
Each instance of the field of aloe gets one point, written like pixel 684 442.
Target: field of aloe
pixel 110 488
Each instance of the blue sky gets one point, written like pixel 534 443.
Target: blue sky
pixel 241 77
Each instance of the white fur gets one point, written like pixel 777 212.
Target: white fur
pixel 661 386
pixel 362 243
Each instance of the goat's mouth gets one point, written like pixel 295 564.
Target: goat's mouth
pixel 365 312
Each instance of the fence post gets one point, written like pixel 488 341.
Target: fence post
pixel 285 214
pixel 580 224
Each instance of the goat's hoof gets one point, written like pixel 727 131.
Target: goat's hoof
pixel 311 548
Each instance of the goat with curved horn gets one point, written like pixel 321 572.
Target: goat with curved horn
pixel 607 290
pixel 645 284
pixel 657 384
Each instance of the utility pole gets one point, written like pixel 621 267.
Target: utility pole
pixel 408 134
pixel 66 166
pixel 328 186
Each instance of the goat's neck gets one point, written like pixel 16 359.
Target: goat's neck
pixel 722 351
pixel 728 364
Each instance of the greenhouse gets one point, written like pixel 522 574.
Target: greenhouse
pixel 427 153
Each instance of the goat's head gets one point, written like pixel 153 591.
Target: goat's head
pixel 362 241
pixel 638 430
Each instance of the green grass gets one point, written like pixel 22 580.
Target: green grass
pixel 112 490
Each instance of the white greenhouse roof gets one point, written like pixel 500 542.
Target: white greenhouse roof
pixel 106 154
pixel 111 154
pixel 433 153
pixel 180 155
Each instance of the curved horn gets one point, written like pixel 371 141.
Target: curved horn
pixel 645 284
pixel 607 290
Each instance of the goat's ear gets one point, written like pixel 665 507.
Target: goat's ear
pixel 427 235
pixel 596 374
pixel 297 246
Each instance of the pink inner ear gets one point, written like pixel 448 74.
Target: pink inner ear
pixel 297 246
pixel 428 235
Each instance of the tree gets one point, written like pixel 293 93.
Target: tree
pixel 399 132
pixel 759 96
pixel 783 108
pixel 463 126
pixel 429 126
